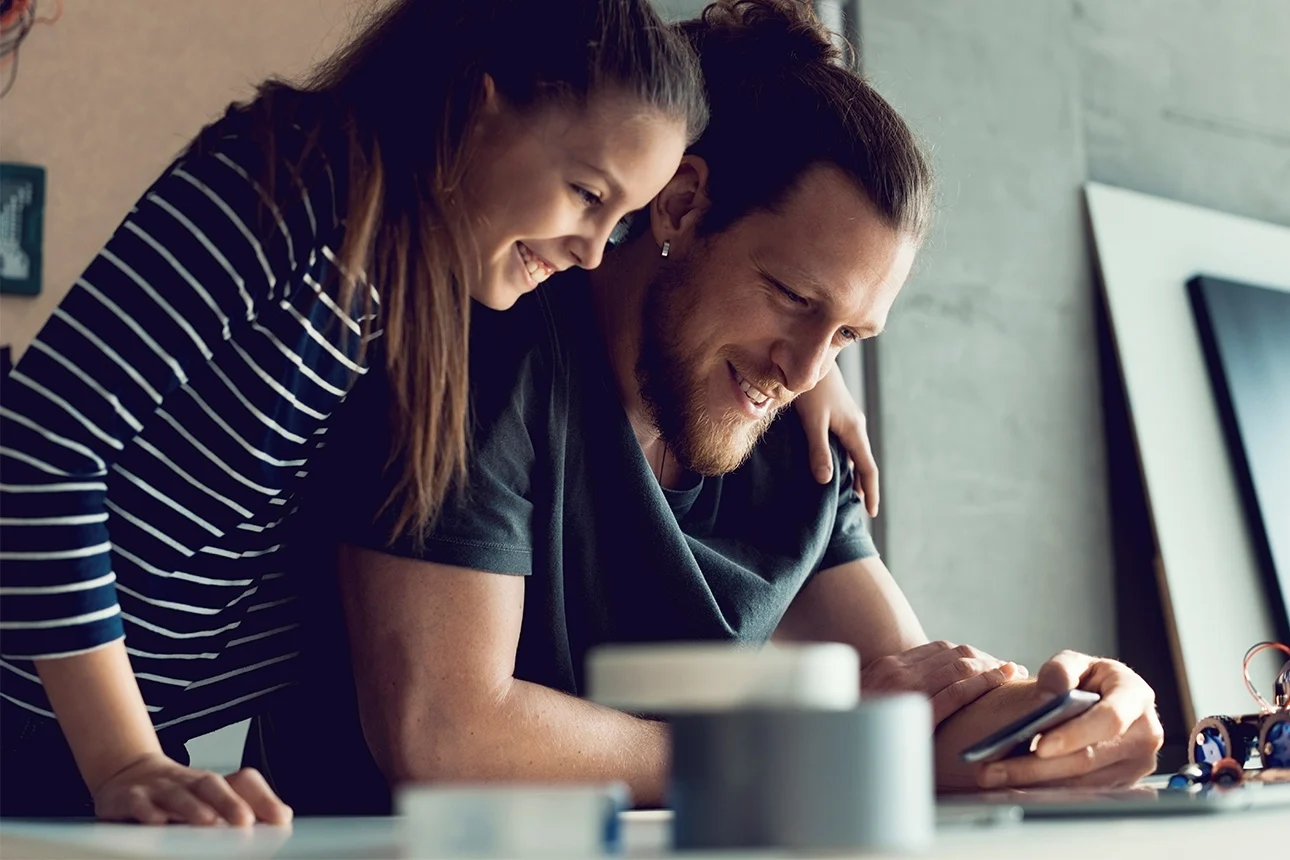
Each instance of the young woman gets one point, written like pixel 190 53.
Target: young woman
pixel 156 434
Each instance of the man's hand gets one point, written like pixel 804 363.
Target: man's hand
pixel 157 790
pixel 1114 743
pixel 830 408
pixel 951 676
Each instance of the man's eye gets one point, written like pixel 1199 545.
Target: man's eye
pixel 792 296
pixel 848 335
pixel 590 198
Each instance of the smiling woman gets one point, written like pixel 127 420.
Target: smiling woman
pixel 160 431
pixel 561 178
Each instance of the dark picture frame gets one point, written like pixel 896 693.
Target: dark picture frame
pixel 1245 336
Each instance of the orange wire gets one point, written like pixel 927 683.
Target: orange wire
pixel 58 13
pixel 1267 706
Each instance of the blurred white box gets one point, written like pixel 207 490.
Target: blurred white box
pixel 523 820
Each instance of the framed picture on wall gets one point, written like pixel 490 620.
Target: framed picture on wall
pixel 1245 333
pixel 22 218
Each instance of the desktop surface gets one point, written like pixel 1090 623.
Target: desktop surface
pixel 646 834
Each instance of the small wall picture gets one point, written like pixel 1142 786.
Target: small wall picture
pixel 22 217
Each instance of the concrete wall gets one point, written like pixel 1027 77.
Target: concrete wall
pixel 1189 99
pixel 994 478
pixel 678 10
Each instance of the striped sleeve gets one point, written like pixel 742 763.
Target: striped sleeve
pixel 194 259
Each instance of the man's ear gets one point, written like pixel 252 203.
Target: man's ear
pixel 491 103
pixel 676 211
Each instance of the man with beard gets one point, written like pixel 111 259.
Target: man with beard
pixel 629 481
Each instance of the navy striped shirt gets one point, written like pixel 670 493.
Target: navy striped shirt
pixel 155 434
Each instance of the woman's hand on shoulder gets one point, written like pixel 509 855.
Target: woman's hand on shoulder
pixel 830 408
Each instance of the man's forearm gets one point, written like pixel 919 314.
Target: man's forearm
pixel 972 723
pixel 533 733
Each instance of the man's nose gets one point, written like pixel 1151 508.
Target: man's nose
pixel 803 361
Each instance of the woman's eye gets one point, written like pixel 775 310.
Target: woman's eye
pixel 848 335
pixel 589 198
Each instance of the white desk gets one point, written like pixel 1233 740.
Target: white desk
pixel 1225 836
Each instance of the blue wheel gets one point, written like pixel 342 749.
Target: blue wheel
pixel 1274 740
pixel 1211 741
pixel 1216 738
pixel 1209 746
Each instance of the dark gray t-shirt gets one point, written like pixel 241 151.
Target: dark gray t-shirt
pixel 561 492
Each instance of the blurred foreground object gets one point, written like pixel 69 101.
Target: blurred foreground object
pixel 566 821
pixel 771 748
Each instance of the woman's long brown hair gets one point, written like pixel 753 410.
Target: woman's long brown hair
pixel 405 95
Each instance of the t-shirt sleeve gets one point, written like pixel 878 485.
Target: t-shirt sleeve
pixel 487 523
pixel 190 260
pixel 850 540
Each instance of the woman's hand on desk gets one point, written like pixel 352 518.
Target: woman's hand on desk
pixel 158 790
pixel 1114 743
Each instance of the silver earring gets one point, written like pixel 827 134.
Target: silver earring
pixel 667 248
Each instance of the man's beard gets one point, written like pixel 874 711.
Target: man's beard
pixel 673 384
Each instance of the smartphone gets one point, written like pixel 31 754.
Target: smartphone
pixel 1015 738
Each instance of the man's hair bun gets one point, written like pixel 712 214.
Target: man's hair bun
pixel 779 30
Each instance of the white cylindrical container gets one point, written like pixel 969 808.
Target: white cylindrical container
pixel 672 678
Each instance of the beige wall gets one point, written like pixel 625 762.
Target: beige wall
pixel 107 96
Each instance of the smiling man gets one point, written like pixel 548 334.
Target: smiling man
pixel 629 481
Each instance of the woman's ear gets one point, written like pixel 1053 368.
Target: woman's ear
pixel 676 211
